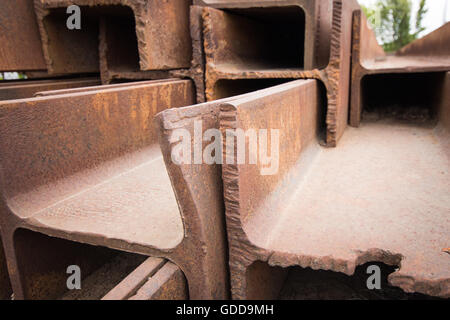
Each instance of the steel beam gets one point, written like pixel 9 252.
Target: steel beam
pixel 27 89
pixel 21 48
pixel 153 279
pixel 232 54
pixel 100 87
pixel 135 280
pixel 168 283
pixel 205 177
pixel 97 177
pixel 427 55
pixel 155 34
pixel 197 70
pixel 334 209
pixel 117 60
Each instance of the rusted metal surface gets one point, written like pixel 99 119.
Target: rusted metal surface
pixel 197 70
pixel 168 283
pixel 118 60
pixel 103 279
pixel 204 181
pixel 433 45
pixel 87 167
pixel 134 281
pixel 27 89
pixel 156 35
pixel 154 279
pixel 325 54
pixel 308 22
pixel 429 54
pixel 100 87
pixel 335 209
pixel 330 54
pixel 21 48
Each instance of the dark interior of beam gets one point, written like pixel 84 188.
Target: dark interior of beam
pixel 5 285
pixel 43 262
pixel 411 97
pixel 79 49
pixel 122 53
pixel 274 37
pixel 296 283
pixel 72 49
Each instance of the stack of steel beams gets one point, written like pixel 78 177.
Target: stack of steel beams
pixel 120 154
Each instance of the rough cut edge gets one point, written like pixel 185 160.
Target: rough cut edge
pixel 355 70
pixel 333 74
pixel 210 78
pixel 198 54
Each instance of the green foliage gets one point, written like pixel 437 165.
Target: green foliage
pixel 392 22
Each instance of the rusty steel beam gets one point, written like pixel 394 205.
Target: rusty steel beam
pixel 27 89
pixel 168 283
pixel 427 55
pixel 21 48
pixel 207 178
pixel 153 279
pixel 117 60
pixel 100 87
pixel 135 280
pixel 336 209
pixel 87 167
pixel 155 35
pixel 203 178
pixel 261 53
pixel 111 271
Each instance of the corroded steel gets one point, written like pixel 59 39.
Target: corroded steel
pixel 335 209
pixel 168 283
pixel 87 167
pixel 95 88
pixel 118 60
pixel 201 178
pixel 152 279
pixel 135 280
pixel 156 35
pixel 429 54
pixel 21 48
pixel 27 89
pixel 325 54
pixel 197 70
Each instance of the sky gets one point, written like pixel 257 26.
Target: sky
pixel 438 13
